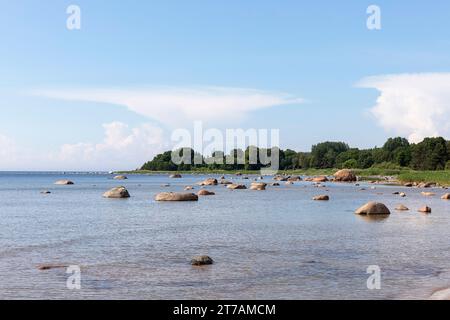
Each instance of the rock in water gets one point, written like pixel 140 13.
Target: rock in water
pixel 446 196
pixel 121 177
pixel 320 179
pixel 428 194
pixel 64 182
pixel 294 178
pixel 117 193
pixel 45 192
pixel 205 193
pixel 201 261
pixel 425 209
pixel 443 294
pixel 401 208
pixel 175 176
pixel 345 175
pixel 172 196
pixel 373 208
pixel 321 198
pixel 258 186
pixel 209 182
pixel 234 186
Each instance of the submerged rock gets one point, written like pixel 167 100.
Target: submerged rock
pixel 345 175
pixel 373 208
pixel 117 193
pixel 258 186
pixel 209 182
pixel 201 261
pixel 401 207
pixel 235 186
pixel 205 193
pixel 321 198
pixel 173 196
pixel 44 267
pixel 64 182
pixel 425 209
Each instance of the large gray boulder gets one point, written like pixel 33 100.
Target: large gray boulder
pixel 345 175
pixel 173 196
pixel 373 208
pixel 117 193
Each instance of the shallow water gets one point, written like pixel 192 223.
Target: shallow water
pixel 273 244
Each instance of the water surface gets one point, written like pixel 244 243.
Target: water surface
pixel 273 244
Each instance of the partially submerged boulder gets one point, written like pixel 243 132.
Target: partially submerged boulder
pixel 45 192
pixel 204 192
pixel 175 176
pixel 223 181
pixel 408 184
pixel 294 178
pixel 428 194
pixel 201 261
pixel 373 208
pixel 64 182
pixel 235 186
pixel 425 209
pixel 322 198
pixel 446 196
pixel 258 186
pixel 120 177
pixel 117 193
pixel 345 175
pixel 320 179
pixel 209 182
pixel 176 196
pixel 401 207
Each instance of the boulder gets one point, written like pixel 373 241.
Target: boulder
pixel 173 196
pixel 201 261
pixel 204 192
pixel 275 184
pixel 345 175
pixel 373 208
pixel 175 176
pixel 64 182
pixel 321 198
pixel 426 184
pixel 320 179
pixel 281 178
pixel 401 207
pixel 428 194
pixel 294 178
pixel 425 209
pixel 209 182
pixel 187 188
pixel 117 192
pixel 223 181
pixel 120 177
pixel 258 186
pixel 446 196
pixel 402 194
pixel 235 186
pixel 408 184
pixel 288 183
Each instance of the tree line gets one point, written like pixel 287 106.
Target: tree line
pixel 430 154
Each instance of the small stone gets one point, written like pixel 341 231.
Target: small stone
pixel 201 261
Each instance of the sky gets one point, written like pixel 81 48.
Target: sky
pixel 109 95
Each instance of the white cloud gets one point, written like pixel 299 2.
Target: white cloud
pixel 412 105
pixel 174 106
pixel 122 148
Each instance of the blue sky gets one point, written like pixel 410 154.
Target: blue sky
pixel 314 52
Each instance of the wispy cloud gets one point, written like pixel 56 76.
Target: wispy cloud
pixel 122 148
pixel 412 105
pixel 174 106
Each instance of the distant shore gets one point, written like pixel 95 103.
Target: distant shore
pixel 402 175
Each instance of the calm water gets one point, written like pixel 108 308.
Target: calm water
pixel 274 244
